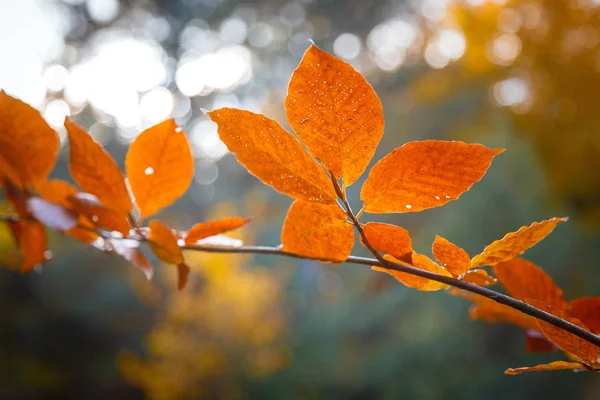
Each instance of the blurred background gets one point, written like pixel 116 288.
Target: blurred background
pixel 521 74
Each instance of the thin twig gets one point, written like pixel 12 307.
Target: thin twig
pixel 469 287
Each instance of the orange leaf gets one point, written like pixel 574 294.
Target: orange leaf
pixel 566 341
pixel 335 113
pixel 273 155
pixel 389 239
pixel 102 217
pixel 84 232
pixel 160 167
pixel 587 309
pixel 536 342
pixel 183 272
pixel 452 257
pixel 318 231
pixel 52 215
pixel 95 170
pixel 32 242
pixel 163 243
pixel 28 146
pixel 427 174
pixel 525 280
pixel 56 191
pixel 553 366
pixel 422 262
pixel 479 277
pixel 211 228
pixel 515 243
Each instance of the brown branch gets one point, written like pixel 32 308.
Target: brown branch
pixel 469 287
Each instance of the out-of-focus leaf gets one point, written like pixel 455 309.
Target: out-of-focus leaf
pixel 56 191
pixel 524 280
pixel 317 230
pixel 388 239
pixel 515 243
pixel 553 366
pixel 28 146
pixel 32 242
pixel 87 204
pixel 479 277
pixel 133 255
pixel 212 228
pixel 159 166
pixel 427 174
pixel 163 243
pixel 422 262
pixel 335 112
pixel 273 155
pixel 536 342
pixel 452 257
pixel 52 215
pixel 587 309
pixel 95 170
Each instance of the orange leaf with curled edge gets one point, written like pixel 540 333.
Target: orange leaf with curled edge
pixel 452 257
pixel 95 170
pixel 587 309
pixel 317 230
pixel 387 238
pixel 515 243
pixel 211 228
pixel 553 366
pixel 28 146
pixel 163 243
pixel 524 280
pixel 159 166
pixel 273 155
pixel 419 261
pixel 488 310
pixel 56 191
pixel 335 113
pixel 566 341
pixel 422 175
pixel 479 277
pixel 87 204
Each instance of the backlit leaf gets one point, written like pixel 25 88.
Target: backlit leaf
pixel 28 146
pixel 452 257
pixel 553 366
pixel 566 341
pixel 54 216
pixel 536 342
pixel 212 228
pixel 317 230
pixel 479 277
pixel 335 113
pixel 159 166
pixel 56 191
pixel 422 262
pixel 32 242
pixel 587 309
pixel 163 243
pixel 515 243
pixel 95 171
pixel 273 155
pixel 427 174
pixel 524 280
pixel 87 204
pixel 388 239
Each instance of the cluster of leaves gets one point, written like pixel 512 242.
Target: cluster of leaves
pixel 338 122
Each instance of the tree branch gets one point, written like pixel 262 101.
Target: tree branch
pixel 469 287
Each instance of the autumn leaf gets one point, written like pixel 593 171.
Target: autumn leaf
pixel 421 175
pixel 273 155
pixel 388 239
pixel 566 341
pixel 32 241
pixel 515 243
pixel 87 204
pixel 418 261
pixel 317 230
pixel 587 309
pixel 212 228
pixel 54 216
pixel 536 342
pixel 524 280
pixel 163 243
pixel 452 257
pixel 95 171
pixel 28 146
pixel 56 191
pixel 479 277
pixel 553 366
pixel 335 113
pixel 159 166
